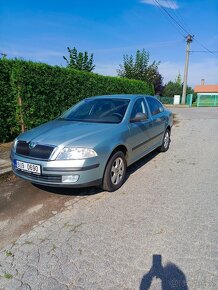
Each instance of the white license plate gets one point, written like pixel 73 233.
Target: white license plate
pixel 28 167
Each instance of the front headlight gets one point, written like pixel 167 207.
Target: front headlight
pixel 14 144
pixel 68 153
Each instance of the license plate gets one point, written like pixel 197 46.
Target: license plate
pixel 28 167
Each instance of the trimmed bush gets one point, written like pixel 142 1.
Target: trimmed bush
pixel 8 105
pixel 34 93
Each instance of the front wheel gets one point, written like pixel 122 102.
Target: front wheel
pixel 166 141
pixel 115 172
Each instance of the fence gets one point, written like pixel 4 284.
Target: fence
pixel 188 100
pixel 165 100
pixel 207 100
pixel 170 101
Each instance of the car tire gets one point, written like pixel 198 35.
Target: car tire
pixel 115 171
pixel 166 141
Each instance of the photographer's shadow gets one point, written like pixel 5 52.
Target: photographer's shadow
pixel 171 277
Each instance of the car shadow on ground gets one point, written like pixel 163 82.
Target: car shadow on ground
pixel 95 190
pixel 140 163
pixel 170 276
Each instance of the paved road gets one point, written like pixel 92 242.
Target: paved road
pixel 160 228
pixel 22 205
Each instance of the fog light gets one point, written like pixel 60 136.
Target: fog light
pixel 70 178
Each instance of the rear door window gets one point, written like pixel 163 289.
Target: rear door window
pixel 155 106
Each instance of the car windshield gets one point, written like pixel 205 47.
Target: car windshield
pixel 97 111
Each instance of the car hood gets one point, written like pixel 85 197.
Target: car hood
pixel 67 133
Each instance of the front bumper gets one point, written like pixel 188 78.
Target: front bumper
pixel 90 171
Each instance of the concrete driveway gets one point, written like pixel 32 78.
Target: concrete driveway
pixel 159 231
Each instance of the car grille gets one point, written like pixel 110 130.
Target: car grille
pixel 38 152
pixel 43 178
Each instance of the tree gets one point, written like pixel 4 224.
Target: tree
pixel 154 77
pixel 79 60
pixel 178 79
pixel 171 89
pixel 139 69
pixel 175 88
pixel 3 55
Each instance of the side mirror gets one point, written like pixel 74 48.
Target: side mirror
pixel 140 117
pixel 161 109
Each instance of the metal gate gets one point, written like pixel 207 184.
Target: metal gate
pixel 207 100
pixel 188 100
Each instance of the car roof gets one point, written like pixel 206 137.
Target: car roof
pixel 121 96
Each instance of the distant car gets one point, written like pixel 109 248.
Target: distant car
pixel 93 142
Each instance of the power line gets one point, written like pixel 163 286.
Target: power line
pixel 176 27
pixel 189 39
pixel 171 17
pixel 177 14
pixel 179 24
pixel 203 46
pixel 204 51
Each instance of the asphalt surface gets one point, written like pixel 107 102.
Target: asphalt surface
pixel 158 231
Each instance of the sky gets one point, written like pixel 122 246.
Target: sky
pixel 41 30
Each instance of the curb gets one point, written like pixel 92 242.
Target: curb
pixel 5 170
pixel 176 106
pixel 4 174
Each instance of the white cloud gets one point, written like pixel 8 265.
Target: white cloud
pixel 164 3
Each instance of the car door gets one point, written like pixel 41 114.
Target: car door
pixel 158 120
pixel 139 140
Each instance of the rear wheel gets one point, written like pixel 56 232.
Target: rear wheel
pixel 115 172
pixel 166 141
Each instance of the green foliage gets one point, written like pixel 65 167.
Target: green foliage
pixel 79 60
pixel 139 69
pixel 8 276
pixel 189 90
pixel 8 253
pixel 175 88
pixel 171 89
pixel 7 101
pixel 47 91
pixel 178 79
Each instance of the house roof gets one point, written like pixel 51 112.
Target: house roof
pixel 206 89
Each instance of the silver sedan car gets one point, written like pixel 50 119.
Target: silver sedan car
pixel 93 142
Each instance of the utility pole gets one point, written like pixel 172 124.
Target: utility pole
pixel 189 39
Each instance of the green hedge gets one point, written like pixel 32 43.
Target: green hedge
pixel 46 91
pixel 8 103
